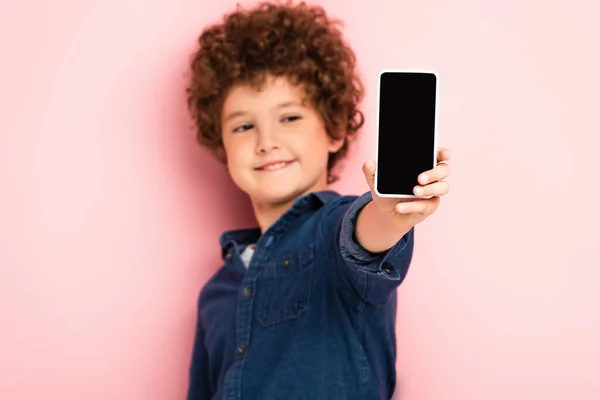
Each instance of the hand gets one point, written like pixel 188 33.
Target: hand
pixel 402 212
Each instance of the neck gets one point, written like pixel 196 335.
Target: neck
pixel 267 212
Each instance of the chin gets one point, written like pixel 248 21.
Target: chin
pixel 278 191
pixel 279 195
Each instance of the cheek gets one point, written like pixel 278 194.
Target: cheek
pixel 234 165
pixel 231 148
pixel 325 143
pixel 238 153
pixel 316 150
pixel 313 140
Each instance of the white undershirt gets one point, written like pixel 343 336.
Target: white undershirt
pixel 247 254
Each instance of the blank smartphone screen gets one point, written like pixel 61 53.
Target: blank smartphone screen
pixel 406 130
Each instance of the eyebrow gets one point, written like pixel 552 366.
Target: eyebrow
pixel 234 114
pixel 288 104
pixel 278 106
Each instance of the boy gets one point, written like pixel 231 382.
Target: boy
pixel 304 306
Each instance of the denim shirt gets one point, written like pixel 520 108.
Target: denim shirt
pixel 312 317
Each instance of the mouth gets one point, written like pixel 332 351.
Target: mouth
pixel 276 166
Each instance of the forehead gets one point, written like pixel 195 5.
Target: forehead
pixel 271 93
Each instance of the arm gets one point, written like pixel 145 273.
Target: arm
pixel 366 275
pixel 374 233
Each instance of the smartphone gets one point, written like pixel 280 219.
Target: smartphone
pixel 406 130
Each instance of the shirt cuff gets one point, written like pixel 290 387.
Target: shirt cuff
pixel 391 263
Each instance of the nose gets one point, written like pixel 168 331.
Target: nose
pixel 267 140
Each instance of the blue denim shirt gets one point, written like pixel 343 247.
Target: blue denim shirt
pixel 312 317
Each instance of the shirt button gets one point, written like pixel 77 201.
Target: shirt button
pixel 286 263
pixel 246 292
pixel 241 350
pixel 387 269
pixel 228 255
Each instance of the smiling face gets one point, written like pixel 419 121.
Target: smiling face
pixel 276 145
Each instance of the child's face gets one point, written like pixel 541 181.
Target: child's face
pixel 273 126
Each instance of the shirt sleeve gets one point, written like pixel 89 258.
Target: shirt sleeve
pixel 371 277
pixel 199 386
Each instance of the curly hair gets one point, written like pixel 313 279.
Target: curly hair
pixel 298 42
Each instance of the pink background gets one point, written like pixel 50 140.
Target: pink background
pixel 111 214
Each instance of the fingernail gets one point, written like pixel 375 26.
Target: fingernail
pixel 423 178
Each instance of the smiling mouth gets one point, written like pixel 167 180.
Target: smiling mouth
pixel 275 167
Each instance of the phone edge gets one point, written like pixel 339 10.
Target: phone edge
pixel 435 129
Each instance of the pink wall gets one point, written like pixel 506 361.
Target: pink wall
pixel 110 214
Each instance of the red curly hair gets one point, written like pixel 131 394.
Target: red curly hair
pixel 298 42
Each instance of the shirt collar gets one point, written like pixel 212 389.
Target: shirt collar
pixel 310 202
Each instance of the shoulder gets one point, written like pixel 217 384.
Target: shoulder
pixel 340 206
pixel 338 212
pixel 221 279
pixel 337 201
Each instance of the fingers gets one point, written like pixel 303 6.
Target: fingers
pixel 441 171
pixel 423 207
pixel 439 188
pixel 443 154
pixel 369 171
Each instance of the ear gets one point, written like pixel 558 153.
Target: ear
pixel 221 154
pixel 336 144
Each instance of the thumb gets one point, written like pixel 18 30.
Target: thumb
pixel 369 171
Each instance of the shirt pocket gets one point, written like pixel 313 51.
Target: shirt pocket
pixel 285 291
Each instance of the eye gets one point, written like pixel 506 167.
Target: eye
pixel 291 118
pixel 243 128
